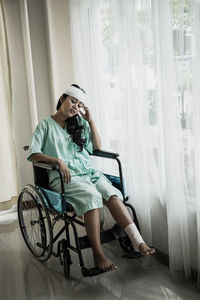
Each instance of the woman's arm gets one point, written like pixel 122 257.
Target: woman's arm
pixel 96 140
pixel 37 157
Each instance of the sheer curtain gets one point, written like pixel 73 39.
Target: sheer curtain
pixel 140 62
pixel 8 185
pixel 171 141
pixel 195 10
pixel 89 75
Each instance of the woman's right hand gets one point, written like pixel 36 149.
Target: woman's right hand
pixel 64 170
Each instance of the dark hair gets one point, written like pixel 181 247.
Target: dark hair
pixel 72 127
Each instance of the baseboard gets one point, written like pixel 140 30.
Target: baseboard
pixel 5 205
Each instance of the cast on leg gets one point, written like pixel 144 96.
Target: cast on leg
pixel 134 236
pixel 123 218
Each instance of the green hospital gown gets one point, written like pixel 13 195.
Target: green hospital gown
pixel 88 186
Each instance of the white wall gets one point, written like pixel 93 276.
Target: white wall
pixel 45 67
pixel 59 39
pixel 40 57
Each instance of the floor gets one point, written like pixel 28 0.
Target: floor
pixel 23 277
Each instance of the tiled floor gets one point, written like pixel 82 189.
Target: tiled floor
pixel 23 277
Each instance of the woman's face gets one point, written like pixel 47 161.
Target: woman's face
pixel 71 106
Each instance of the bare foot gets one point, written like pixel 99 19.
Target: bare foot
pixel 145 250
pixel 103 263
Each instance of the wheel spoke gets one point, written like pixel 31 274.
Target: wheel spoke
pixel 35 223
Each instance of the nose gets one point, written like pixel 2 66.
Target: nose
pixel 75 106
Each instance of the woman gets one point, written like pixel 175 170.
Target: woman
pixel 65 139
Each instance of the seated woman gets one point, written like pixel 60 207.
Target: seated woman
pixel 64 139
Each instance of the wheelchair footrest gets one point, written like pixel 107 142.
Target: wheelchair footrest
pixel 133 254
pixel 91 272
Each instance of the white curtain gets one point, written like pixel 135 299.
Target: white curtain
pixel 90 76
pixel 139 61
pixel 195 144
pixel 8 174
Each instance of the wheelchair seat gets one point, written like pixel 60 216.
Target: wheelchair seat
pixel 52 199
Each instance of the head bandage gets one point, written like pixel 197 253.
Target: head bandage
pixel 76 93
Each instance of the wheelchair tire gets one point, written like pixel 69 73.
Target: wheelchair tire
pixel 66 263
pixel 35 223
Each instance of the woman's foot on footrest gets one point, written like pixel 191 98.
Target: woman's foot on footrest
pixel 145 250
pixel 104 264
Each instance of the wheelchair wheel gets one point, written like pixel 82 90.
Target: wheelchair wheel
pixel 126 244
pixel 66 263
pixel 35 223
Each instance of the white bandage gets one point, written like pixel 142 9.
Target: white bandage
pixel 76 93
pixel 134 236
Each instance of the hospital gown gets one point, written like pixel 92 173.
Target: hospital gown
pixel 88 186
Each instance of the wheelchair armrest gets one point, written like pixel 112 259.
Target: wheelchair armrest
pixel 43 165
pixel 50 167
pixel 46 166
pixel 106 154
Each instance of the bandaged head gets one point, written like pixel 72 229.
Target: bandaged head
pixel 76 93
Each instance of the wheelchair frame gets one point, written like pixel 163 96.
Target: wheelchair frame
pixel 46 225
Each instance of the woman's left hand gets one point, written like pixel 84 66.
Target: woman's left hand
pixel 87 115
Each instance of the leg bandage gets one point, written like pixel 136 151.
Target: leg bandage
pixel 134 236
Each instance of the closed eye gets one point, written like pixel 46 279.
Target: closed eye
pixel 80 105
pixel 74 101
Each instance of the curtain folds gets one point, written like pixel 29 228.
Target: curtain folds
pixel 89 75
pixel 139 62
pixel 8 170
pixel 29 63
pixel 171 138
pixel 195 10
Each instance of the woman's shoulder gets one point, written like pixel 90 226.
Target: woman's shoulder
pixel 45 121
pixel 43 124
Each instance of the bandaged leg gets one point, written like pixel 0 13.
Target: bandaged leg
pixel 134 236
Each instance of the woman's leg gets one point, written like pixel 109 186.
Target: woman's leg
pixel 92 224
pixel 123 218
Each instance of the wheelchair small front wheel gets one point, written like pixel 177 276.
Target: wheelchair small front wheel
pixel 35 223
pixel 126 244
pixel 66 263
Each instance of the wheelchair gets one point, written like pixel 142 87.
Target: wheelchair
pixel 40 208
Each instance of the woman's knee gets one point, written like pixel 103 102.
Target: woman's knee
pixel 92 211
pixel 111 199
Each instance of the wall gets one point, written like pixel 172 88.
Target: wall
pixel 59 41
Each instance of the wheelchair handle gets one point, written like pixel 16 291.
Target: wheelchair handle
pixel 106 154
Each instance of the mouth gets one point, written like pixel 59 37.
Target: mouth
pixel 72 111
